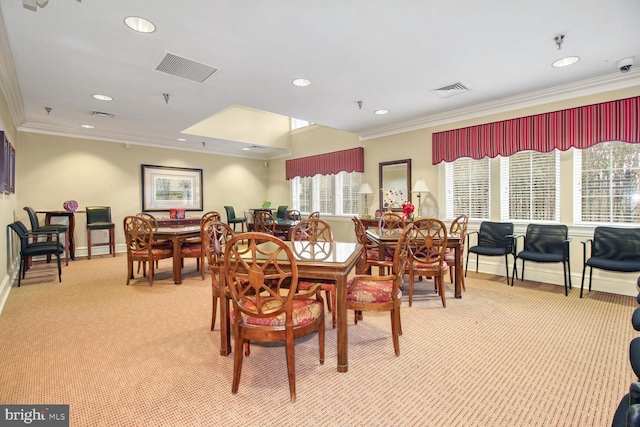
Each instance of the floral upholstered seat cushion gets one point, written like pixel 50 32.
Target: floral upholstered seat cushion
pixel 450 256
pixel 305 311
pixel 156 252
pixel 191 249
pixel 372 291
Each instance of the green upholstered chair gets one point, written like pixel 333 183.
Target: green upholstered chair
pixel 38 229
pixel 99 218
pixel 28 250
pixel 232 219
pixel 282 212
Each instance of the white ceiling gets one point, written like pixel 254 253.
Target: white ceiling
pixel 388 54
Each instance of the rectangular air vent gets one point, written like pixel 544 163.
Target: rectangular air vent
pixel 454 89
pixel 102 114
pixel 185 68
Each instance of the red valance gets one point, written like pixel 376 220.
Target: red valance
pixel 351 160
pixel 579 127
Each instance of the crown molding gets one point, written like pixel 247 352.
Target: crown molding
pixel 559 93
pixel 96 136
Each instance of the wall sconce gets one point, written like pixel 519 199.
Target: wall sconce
pixel 420 187
pixel 366 190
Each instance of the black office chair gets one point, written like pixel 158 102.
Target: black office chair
pixel 493 239
pixel 47 230
pixel 232 219
pixel 545 243
pixel 28 250
pixel 611 249
pixel 99 218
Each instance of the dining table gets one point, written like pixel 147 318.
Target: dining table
pixel 388 237
pixel 177 235
pixel 283 225
pixel 321 260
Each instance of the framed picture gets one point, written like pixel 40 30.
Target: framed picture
pixel 165 187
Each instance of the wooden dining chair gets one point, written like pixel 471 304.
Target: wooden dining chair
pixel 307 234
pixel 367 292
pixel 315 214
pixel 215 235
pixel 294 215
pixel 427 250
pixel 156 242
pixel 262 278
pixel 138 233
pixel 263 222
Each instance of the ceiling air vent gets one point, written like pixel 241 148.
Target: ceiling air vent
pixel 454 89
pixel 185 68
pixel 102 114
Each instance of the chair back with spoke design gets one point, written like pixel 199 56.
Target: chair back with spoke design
pixel 428 247
pixel 210 216
pixel 150 218
pixel 315 214
pixel 312 230
pixel 370 251
pixel 391 220
pixel 138 233
pixel 263 222
pixel 262 278
pixel 215 235
pixel 294 215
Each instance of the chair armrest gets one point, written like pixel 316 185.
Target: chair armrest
pixel 513 238
pixel 308 293
pixel 469 234
pixel 565 248
pixel 42 232
pixel 584 249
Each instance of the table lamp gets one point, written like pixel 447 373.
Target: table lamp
pixel 365 189
pixel 420 187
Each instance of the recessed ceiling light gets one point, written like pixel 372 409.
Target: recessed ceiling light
pixel 182 139
pixel 381 112
pixel 246 149
pixel 139 24
pixel 565 62
pixel 87 126
pixel 102 97
pixel 301 82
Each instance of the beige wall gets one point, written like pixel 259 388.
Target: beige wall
pixel 52 169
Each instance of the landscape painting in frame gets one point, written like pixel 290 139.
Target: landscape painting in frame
pixel 165 187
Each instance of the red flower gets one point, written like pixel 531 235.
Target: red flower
pixel 407 209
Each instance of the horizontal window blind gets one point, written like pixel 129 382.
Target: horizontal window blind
pixel 468 188
pixel 530 183
pixel 607 183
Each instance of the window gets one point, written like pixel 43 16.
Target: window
pixel 298 123
pixel 530 183
pixel 468 188
pixel 328 194
pixel 606 183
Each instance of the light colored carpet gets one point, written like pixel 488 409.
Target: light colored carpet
pixel 144 356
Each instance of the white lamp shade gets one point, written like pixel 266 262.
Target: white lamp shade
pixel 365 189
pixel 420 187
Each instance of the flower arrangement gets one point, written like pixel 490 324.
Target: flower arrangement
pixel 392 197
pixel 407 209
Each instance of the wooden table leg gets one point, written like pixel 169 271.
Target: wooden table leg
pixel 459 272
pixel 177 261
pixel 341 302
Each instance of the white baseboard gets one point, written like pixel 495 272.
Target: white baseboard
pixel 603 281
